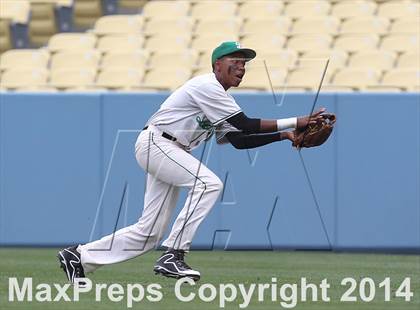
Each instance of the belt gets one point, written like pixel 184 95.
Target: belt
pixel 165 135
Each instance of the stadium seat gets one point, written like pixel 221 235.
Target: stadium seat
pixel 357 42
pixel 204 43
pixel 364 25
pixel 264 42
pixel 316 25
pixel 338 58
pixel 71 41
pixel 318 65
pixel 15 11
pixel 279 25
pixel 256 77
pixel 280 59
pixel 409 60
pixel 73 78
pixel 24 59
pixel 402 78
pixel 204 59
pixel 119 78
pixel 209 9
pixel 406 25
pixel 84 89
pixel 304 43
pixel 168 59
pixel 374 59
pixel 167 26
pixel 229 26
pixel 166 9
pixel 47 18
pixel 202 70
pixel 356 78
pixel 5 35
pixel 336 89
pixel 119 24
pixel 401 42
pixel 132 5
pixel 381 89
pixel 354 8
pixel 14 19
pixel 261 9
pixel 123 43
pixel 88 59
pixel 168 42
pixel 24 78
pixel 86 12
pixel 136 60
pixel 37 89
pixel 307 78
pixel 166 78
pixel 307 8
pixel 399 9
pixel 42 24
pixel 414 88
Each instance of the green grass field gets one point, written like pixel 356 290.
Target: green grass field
pixel 222 267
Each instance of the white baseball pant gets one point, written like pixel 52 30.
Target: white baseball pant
pixel 169 168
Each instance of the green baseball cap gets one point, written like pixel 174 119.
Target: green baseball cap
pixel 230 47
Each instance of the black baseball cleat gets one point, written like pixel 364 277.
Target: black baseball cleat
pixel 171 264
pixel 71 263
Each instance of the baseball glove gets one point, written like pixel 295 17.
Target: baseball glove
pixel 314 134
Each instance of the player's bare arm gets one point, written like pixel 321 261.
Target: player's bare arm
pixel 243 141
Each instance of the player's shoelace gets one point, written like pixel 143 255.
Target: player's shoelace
pixel 179 255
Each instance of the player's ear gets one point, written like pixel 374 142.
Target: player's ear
pixel 216 66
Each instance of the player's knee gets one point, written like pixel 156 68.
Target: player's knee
pixel 216 184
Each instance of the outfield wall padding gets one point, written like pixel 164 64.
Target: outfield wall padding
pixel 65 160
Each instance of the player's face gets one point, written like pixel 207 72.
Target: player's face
pixel 231 70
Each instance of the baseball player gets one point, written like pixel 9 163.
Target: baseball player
pixel 189 116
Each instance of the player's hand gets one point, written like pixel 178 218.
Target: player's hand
pixel 304 121
pixel 287 135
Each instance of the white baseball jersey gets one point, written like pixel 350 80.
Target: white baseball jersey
pixel 196 110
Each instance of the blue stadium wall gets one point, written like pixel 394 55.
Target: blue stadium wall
pixel 65 160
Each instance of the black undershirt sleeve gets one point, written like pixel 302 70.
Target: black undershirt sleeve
pixel 243 141
pixel 244 123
